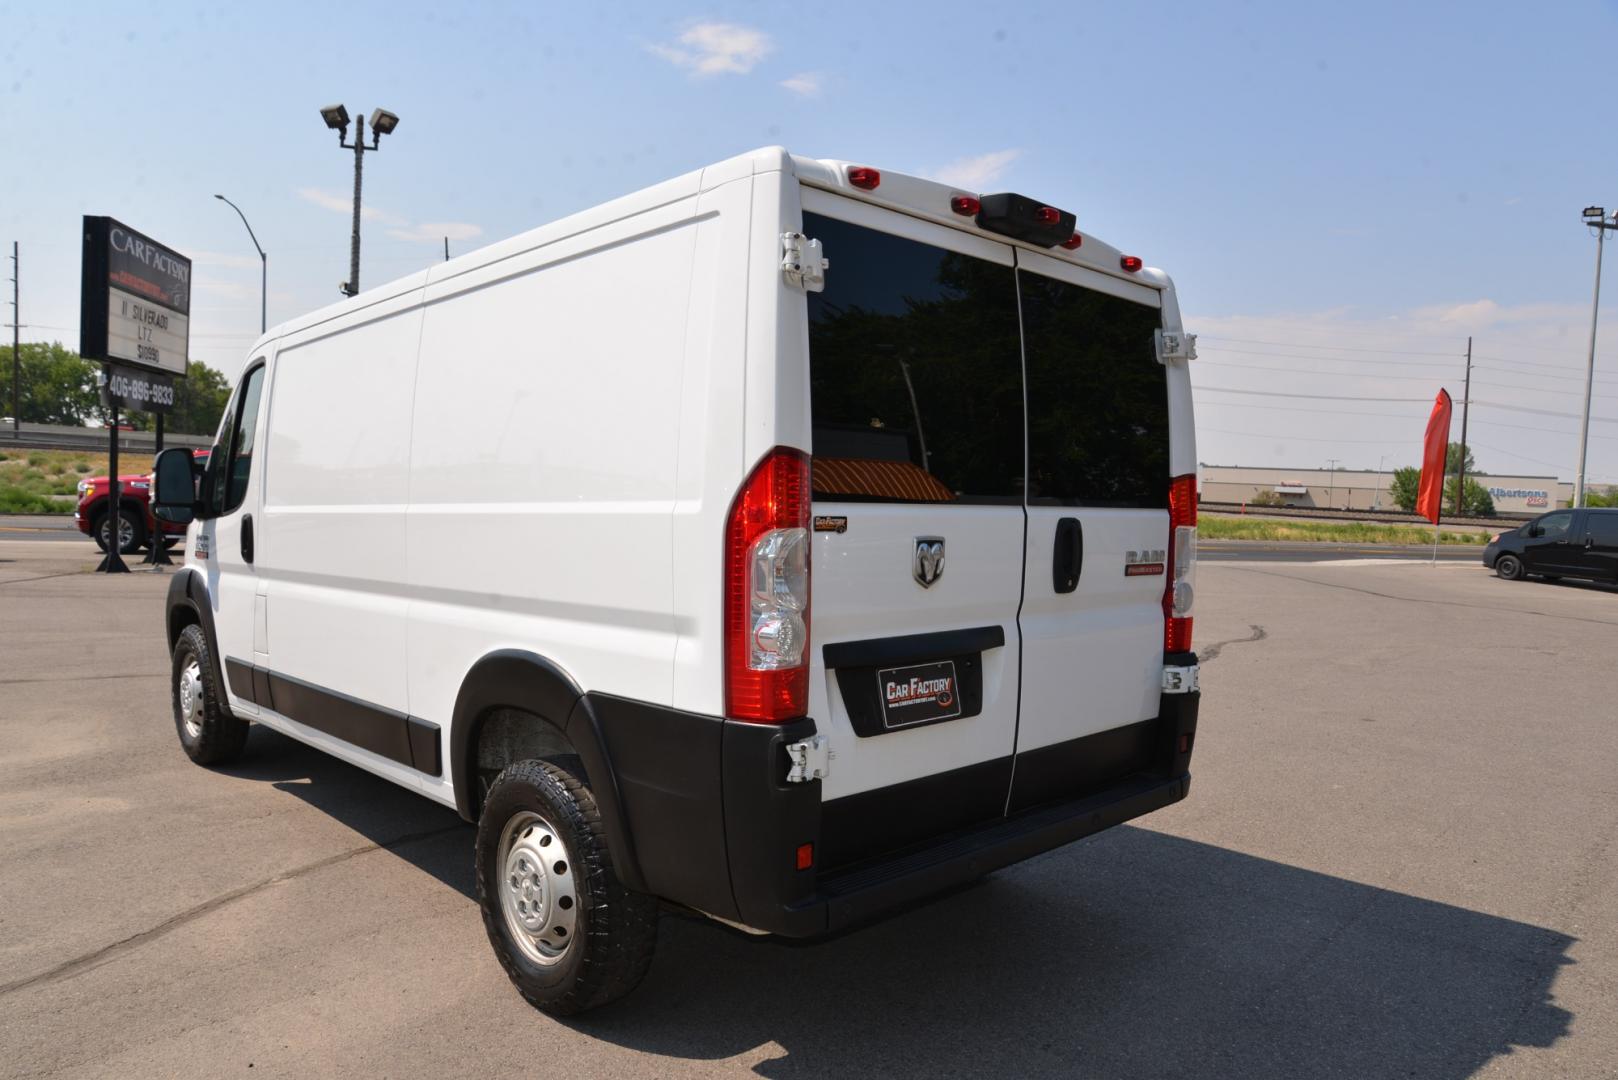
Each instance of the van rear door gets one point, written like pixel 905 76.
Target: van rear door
pixel 1098 529
pixel 917 421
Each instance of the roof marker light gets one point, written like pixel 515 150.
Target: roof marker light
pixel 1130 262
pixel 866 179
pixel 965 204
pixel 1047 215
pixel 1073 241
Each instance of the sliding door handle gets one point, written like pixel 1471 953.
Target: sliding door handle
pixel 1067 562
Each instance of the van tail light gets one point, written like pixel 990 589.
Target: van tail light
pixel 767 592
pixel 1182 569
pixel 1131 263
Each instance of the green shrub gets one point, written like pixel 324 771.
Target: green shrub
pixel 14 500
pixel 81 466
pixel 36 460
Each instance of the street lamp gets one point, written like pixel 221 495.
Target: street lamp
pixel 1597 218
pixel 382 123
pixel 263 267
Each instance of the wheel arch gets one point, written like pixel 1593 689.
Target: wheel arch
pixel 532 684
pixel 188 605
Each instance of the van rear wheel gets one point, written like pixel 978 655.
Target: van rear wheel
pixel 567 932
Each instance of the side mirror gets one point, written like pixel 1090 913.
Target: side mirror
pixel 174 486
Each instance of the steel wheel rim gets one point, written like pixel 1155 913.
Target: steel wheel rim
pixel 1509 570
pixel 191 698
pixel 537 897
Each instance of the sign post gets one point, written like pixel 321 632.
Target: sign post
pixel 134 317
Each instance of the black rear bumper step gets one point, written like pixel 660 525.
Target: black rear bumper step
pixel 846 899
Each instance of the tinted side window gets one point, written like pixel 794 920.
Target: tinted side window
pixel 1603 528
pixel 915 377
pixel 1555 526
pixel 1098 409
pixel 231 475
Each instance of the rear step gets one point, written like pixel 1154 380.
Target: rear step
pixel 869 890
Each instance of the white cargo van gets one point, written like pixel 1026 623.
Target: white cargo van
pixel 789 541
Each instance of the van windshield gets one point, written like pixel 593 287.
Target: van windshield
pixel 917 381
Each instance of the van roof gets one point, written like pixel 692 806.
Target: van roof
pixel 912 195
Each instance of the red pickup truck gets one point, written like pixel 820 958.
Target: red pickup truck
pixel 136 525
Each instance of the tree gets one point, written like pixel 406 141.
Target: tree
pixel 1478 502
pixel 1452 461
pixel 1404 486
pixel 1598 498
pixel 58 385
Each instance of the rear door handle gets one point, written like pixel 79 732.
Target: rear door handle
pixel 247 538
pixel 1067 562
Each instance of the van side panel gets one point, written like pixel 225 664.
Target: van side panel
pixel 711 458
pixel 331 543
pixel 542 480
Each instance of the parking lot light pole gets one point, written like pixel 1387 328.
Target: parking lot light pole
pixel 1598 219
pixel 382 123
pixel 263 266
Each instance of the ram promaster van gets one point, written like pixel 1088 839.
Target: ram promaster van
pixel 788 542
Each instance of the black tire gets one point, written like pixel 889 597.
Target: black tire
pixel 209 732
pixel 134 539
pixel 1509 567
pixel 614 930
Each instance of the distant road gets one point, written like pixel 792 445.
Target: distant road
pixel 1295 551
pixel 39 527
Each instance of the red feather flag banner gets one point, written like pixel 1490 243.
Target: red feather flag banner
pixel 1430 494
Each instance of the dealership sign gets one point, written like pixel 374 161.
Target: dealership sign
pixel 131 388
pixel 134 300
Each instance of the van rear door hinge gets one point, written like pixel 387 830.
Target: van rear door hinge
pixel 803 261
pixel 811 759
pixel 1175 345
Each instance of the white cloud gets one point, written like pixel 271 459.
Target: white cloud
pixel 437 230
pixel 714 48
pixel 805 84
pixel 976 173
pixel 344 204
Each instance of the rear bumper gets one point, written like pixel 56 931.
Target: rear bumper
pixel 847 899
pixel 726 844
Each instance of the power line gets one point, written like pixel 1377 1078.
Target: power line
pixel 1330 359
pixel 1335 348
pixel 1334 374
pixel 1322 397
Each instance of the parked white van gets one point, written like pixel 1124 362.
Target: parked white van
pixel 789 542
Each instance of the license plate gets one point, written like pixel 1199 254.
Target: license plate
pixel 918 693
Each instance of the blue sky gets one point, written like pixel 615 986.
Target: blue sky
pixel 1342 193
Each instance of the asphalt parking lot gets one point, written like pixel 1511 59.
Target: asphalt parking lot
pixel 1399 859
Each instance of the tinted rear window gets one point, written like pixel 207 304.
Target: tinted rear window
pixel 1603 528
pixel 915 373
pixel 1098 410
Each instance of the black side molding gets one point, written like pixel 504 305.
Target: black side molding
pixel 888 651
pixel 396 736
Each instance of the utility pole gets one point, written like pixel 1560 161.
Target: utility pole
pixel 16 347
pixel 1466 402
pixel 354 239
pixel 1596 217
pixel 1331 483
pixel 446 249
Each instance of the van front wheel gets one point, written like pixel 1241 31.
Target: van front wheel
pixel 567 932
pixel 209 732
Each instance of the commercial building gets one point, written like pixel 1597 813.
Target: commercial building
pixel 1365 489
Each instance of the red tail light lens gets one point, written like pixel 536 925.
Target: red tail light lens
pixel 1180 592
pixel 965 204
pixel 1047 215
pixel 863 178
pixel 1130 263
pixel 767 592
pixel 1073 241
